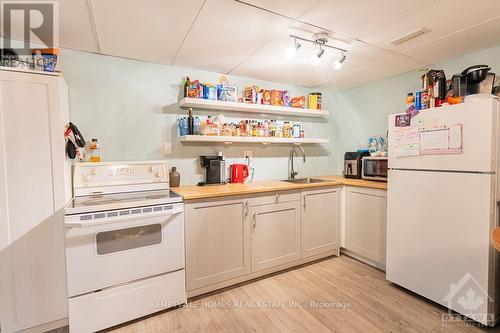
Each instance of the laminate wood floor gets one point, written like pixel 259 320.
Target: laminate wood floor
pixel 347 296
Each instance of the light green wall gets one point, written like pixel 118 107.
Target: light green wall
pixel 362 111
pixel 130 106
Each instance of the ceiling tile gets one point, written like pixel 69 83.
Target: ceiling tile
pixel 356 18
pixel 290 8
pixel 476 38
pixel 269 62
pixel 150 30
pixel 389 65
pixel 76 29
pixel 443 17
pixel 225 34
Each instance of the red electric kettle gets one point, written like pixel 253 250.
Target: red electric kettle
pixel 238 173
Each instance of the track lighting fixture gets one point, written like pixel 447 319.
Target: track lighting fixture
pixel 337 64
pixel 291 51
pixel 317 58
pixel 320 39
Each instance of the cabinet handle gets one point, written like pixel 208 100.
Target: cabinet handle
pixel 277 197
pixel 247 208
pixel 304 201
pixel 254 219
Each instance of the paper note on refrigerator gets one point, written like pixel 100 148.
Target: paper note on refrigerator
pixel 441 140
pixel 406 141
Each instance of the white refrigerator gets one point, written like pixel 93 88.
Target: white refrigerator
pixel 442 204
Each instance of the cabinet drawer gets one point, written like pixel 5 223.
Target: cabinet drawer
pixel 274 197
pixel 103 309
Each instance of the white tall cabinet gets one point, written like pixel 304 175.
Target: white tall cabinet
pixel 34 188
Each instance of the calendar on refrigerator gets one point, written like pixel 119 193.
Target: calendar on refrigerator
pixel 441 140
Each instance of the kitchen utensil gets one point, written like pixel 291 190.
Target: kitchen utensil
pixel 352 164
pixel 476 74
pixel 238 173
pixel 458 85
pixel 215 168
pixel 496 91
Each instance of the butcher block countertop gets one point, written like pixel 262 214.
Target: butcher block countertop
pixel 193 192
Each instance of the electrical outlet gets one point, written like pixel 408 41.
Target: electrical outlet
pixel 247 153
pixel 167 148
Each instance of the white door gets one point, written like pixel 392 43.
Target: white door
pixel 365 223
pixel 438 230
pixel 275 234
pixel 27 157
pixel 217 242
pixel 32 268
pixel 479 120
pixel 320 221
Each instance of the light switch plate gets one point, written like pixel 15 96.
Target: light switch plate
pixel 167 148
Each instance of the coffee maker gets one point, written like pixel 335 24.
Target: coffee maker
pixel 353 165
pixel 215 168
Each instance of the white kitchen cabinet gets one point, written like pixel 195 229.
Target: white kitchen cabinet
pixel 275 234
pixel 34 188
pixel 365 224
pixel 217 241
pixel 320 221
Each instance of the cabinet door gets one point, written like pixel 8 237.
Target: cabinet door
pixel 27 157
pixel 320 221
pixel 32 268
pixel 365 222
pixel 217 242
pixel 275 234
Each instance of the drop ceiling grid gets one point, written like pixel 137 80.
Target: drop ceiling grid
pixel 292 20
pixel 151 30
pixel 277 18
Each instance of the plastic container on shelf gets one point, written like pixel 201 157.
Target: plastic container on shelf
pixel 95 151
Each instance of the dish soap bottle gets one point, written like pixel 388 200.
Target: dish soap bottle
pixel 95 151
pixel 174 177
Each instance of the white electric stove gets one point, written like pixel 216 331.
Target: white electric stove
pixel 124 234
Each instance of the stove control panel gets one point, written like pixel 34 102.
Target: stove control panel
pixel 112 177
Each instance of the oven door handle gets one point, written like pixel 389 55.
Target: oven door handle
pixel 92 224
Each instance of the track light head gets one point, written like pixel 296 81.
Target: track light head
pixel 337 64
pixel 291 51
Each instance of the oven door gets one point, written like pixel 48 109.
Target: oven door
pixel 375 168
pixel 108 248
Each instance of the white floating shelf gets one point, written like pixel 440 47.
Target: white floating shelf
pixel 200 103
pixel 249 139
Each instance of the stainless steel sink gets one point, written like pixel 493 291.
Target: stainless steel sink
pixel 305 180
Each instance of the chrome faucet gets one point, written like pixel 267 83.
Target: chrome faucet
pixel 292 173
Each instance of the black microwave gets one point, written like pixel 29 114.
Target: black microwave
pixel 374 168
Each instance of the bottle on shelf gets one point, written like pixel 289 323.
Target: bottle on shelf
pixel 197 126
pixel 296 131
pixel 187 82
pixel 190 122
